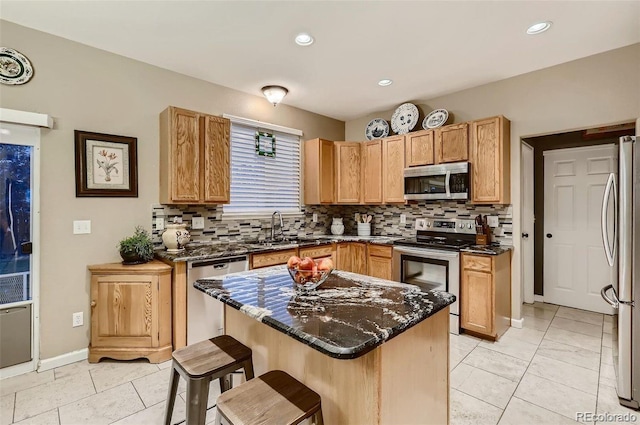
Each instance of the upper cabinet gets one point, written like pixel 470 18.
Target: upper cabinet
pixel 491 159
pixel 194 157
pixel 348 173
pixel 452 143
pixel 393 149
pixel 319 172
pixel 419 148
pixel 372 160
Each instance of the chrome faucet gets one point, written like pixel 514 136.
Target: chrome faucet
pixel 273 233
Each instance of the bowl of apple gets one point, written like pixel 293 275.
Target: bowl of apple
pixel 307 273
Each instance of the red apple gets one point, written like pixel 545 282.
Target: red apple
pixel 306 264
pixel 325 264
pixel 293 261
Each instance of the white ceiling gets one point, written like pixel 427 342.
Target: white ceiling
pixel 428 48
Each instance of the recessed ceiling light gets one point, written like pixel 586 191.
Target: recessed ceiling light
pixel 304 39
pixel 538 28
pixel 385 82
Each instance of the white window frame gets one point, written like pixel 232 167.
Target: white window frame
pixel 227 216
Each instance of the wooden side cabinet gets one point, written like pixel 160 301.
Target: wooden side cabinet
pixel 379 261
pixel 194 157
pixel 485 294
pixel 491 161
pixel 419 148
pixel 348 172
pixel 452 143
pixel 319 172
pixel 131 312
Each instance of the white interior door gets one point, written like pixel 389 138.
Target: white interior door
pixel 527 223
pixel 575 265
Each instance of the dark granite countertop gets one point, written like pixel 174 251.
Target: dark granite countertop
pixel 204 251
pixel 346 317
pixel 488 249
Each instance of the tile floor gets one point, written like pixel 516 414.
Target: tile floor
pixel 558 364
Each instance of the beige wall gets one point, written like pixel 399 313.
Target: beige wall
pixel 89 89
pixel 589 92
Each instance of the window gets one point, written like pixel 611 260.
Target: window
pixel 261 184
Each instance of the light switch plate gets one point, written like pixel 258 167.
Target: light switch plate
pixel 403 218
pixel 492 221
pixel 197 223
pixel 159 223
pixel 315 217
pixel 81 227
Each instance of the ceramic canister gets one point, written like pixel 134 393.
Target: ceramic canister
pixel 337 227
pixel 176 237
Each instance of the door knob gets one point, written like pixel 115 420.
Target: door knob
pixel 549 235
pixel 525 235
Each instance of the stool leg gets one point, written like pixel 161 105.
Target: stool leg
pixel 197 394
pixel 317 417
pixel 226 382
pixel 171 397
pixel 218 420
pixel 248 369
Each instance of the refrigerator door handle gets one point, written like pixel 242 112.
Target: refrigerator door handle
pixel 613 302
pixel 611 187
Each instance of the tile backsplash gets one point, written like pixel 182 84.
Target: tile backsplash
pixel 386 220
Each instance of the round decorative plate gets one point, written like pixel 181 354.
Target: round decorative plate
pixel 376 129
pixel 435 119
pixel 404 118
pixel 15 68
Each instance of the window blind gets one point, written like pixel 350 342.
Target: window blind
pixel 263 184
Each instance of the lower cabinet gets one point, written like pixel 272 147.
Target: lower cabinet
pixel 379 261
pixel 352 257
pixel 485 294
pixel 318 252
pixel 272 258
pixel 130 312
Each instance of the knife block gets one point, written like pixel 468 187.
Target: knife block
pixel 482 239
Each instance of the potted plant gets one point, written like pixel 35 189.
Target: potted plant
pixel 136 249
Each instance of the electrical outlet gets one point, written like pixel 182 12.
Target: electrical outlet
pixel 78 319
pixel 403 219
pixel 81 227
pixel 159 223
pixel 492 221
pixel 197 223
pixel 315 217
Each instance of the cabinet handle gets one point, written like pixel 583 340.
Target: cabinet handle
pixel 525 235
pixel 93 303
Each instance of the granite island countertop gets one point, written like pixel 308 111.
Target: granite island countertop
pixel 493 249
pixel 345 318
pixel 210 250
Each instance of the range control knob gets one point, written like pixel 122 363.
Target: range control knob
pixel 469 226
pixel 461 225
pixel 428 224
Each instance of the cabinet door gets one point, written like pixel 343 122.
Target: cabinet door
pixel 125 312
pixel 477 302
pixel 359 257
pixel 419 148
pixel 452 143
pixel 216 179
pixel 185 156
pixel 379 267
pixel 490 157
pixel 319 174
pixel 372 171
pixel 393 169
pixel 348 190
pixel 343 257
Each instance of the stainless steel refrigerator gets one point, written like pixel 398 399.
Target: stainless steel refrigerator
pixel 622 249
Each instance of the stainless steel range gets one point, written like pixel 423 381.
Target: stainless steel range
pixel 431 260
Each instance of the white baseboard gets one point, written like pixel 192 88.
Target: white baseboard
pixel 63 359
pixel 16 370
pixel 538 298
pixel 517 323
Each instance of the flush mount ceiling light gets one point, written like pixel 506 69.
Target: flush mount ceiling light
pixel 539 28
pixel 274 94
pixel 304 39
pixel 385 82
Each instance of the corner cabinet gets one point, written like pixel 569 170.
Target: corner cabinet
pixel 319 174
pixel 491 161
pixel 485 294
pixel 130 312
pixel 348 172
pixel 452 143
pixel 419 148
pixel 194 157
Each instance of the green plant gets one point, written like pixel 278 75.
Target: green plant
pixel 140 244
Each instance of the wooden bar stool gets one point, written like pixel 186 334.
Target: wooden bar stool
pixel 274 398
pixel 199 364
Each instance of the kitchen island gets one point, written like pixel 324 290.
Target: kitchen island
pixel 376 351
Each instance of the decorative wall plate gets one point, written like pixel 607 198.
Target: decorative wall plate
pixel 435 119
pixel 15 68
pixel 404 118
pixel 376 129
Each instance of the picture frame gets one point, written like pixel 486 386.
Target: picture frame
pixel 106 165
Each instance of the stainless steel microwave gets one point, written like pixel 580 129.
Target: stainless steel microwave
pixel 442 181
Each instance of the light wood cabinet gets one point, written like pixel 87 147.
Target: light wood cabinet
pixel 319 172
pixel 372 171
pixel 485 294
pixel 194 157
pixel 271 258
pixel 491 161
pixel 352 257
pixel 348 172
pixel 392 169
pixel 379 261
pixel 419 148
pixel 317 252
pixel 452 143
pixel 130 312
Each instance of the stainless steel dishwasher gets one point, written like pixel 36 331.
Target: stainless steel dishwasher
pixel 205 314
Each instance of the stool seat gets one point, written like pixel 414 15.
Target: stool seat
pixel 273 398
pixel 199 364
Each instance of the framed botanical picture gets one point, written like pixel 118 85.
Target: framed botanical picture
pixel 106 165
